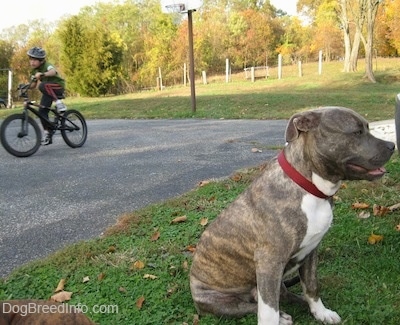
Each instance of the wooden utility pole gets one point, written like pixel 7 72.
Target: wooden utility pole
pixel 191 59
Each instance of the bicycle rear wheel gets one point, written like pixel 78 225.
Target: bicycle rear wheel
pixel 16 140
pixel 73 128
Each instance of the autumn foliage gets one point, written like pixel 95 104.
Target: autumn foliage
pixel 119 47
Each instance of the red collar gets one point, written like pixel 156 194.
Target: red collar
pixel 298 178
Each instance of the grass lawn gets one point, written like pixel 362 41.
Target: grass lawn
pixel 139 268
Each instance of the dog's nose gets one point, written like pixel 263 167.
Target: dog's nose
pixel 390 145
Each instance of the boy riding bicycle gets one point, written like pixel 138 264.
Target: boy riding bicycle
pixel 51 86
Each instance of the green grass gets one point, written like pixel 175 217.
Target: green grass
pixel 358 280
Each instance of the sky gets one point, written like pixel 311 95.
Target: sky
pixel 21 12
pixel 16 12
pixel 286 5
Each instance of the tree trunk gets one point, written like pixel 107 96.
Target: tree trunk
pixel 354 52
pixel 363 11
pixel 346 34
pixel 372 9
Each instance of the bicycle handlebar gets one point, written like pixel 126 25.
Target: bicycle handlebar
pixel 23 88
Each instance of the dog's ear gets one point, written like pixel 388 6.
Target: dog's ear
pixel 302 122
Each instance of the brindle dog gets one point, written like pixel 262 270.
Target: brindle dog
pixel 274 227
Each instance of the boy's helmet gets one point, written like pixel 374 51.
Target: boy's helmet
pixel 37 53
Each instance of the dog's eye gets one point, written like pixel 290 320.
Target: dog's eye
pixel 359 132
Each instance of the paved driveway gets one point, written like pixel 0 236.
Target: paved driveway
pixel 62 195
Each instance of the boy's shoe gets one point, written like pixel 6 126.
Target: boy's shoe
pixel 47 139
pixel 61 108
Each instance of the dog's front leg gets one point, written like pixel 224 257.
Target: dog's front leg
pixel 309 283
pixel 269 271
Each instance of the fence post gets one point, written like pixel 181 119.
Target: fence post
pixel 9 90
pixel 397 121
pixel 160 77
pixel 320 62
pixel 184 74
pixel 253 75
pixel 300 69
pixel 227 70
pixel 158 83
pixel 280 66
pixel 204 76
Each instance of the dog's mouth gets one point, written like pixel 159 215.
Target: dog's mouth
pixel 378 172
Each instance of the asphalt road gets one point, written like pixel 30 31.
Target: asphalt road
pixel 62 195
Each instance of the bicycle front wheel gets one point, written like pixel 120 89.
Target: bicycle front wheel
pixel 17 139
pixel 73 128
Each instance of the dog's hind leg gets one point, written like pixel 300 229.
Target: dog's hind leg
pixel 210 301
pixel 224 305
pixel 288 296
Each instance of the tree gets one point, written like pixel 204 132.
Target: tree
pixel 92 57
pixel 297 41
pixel 6 53
pixel 392 20
pixel 363 15
pixel 73 37
pixel 370 7
pixel 326 30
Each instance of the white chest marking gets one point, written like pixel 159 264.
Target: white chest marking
pixel 325 186
pixel 319 218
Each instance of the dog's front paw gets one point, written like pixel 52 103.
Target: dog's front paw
pixel 285 319
pixel 324 314
pixel 328 317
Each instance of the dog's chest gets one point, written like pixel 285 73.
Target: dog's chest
pixel 319 218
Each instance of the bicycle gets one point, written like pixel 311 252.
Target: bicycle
pixel 21 135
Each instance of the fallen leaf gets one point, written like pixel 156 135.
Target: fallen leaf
pixel 394 207
pixel 203 183
pixel 179 219
pixel 85 279
pixel 172 290
pixel 191 248
pixel 364 215
pixel 374 239
pixel 379 210
pixel 138 265
pixel 343 185
pixel 185 264
pixel 172 270
pixel 196 319
pixel 255 150
pixel 111 249
pixel 139 302
pixel 397 228
pixel 60 286
pixel 155 236
pixel 61 296
pixel 122 289
pixel 204 221
pixel 236 177
pixel 149 276
pixel 101 276
pixel 360 205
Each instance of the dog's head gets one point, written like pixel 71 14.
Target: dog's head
pixel 338 144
